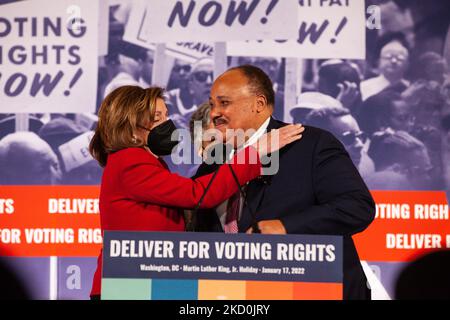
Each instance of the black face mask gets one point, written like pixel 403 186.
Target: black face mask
pixel 159 138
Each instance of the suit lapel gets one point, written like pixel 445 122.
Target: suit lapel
pixel 254 197
pixel 255 192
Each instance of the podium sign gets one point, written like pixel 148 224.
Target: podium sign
pixel 209 266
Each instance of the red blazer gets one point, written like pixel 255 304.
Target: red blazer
pixel 139 193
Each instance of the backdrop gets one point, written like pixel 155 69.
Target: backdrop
pixel 374 73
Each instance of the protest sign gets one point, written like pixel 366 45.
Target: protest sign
pixel 75 152
pixel 209 21
pixel 326 29
pixel 48 58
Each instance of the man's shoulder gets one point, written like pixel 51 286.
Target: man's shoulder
pixel 313 139
pixel 313 132
pixel 320 137
pixel 316 132
pixel 310 133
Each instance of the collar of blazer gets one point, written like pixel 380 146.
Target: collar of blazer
pixel 273 124
pixel 256 189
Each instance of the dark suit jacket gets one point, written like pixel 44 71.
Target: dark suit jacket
pixel 317 190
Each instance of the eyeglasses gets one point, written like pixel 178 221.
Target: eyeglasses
pixel 390 56
pixel 185 68
pixel 350 137
pixel 202 76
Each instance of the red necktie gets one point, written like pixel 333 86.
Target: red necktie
pixel 231 220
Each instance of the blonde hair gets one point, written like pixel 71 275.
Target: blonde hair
pixel 121 113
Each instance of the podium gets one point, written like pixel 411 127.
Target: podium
pixel 217 266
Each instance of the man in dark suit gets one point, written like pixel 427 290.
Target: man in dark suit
pixel 317 189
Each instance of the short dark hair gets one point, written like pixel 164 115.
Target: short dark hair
pixel 330 75
pixel 258 81
pixel 377 110
pixel 388 38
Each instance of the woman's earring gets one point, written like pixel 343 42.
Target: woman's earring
pixel 134 140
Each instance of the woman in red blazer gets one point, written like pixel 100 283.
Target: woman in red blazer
pixel 138 192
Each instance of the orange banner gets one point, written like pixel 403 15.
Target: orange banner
pixel 38 221
pixel 407 224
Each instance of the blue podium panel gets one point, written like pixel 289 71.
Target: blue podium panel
pixel 191 266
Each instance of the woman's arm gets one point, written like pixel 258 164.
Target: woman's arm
pixel 146 181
